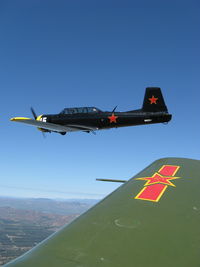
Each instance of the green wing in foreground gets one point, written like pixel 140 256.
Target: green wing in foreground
pixel 152 220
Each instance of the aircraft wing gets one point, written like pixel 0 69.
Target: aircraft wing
pixel 152 220
pixel 52 126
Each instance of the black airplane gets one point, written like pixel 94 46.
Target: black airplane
pixel 90 119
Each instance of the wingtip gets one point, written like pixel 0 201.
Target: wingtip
pixel 19 119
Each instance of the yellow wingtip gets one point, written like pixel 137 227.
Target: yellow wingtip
pixel 19 118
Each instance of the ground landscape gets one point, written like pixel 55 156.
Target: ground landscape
pixel 26 222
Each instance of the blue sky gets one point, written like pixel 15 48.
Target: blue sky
pixel 56 54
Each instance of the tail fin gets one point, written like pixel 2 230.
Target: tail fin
pixel 153 100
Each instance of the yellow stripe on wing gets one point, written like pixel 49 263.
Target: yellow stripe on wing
pixel 19 119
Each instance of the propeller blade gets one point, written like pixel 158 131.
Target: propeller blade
pixel 35 117
pixel 44 135
pixel 33 112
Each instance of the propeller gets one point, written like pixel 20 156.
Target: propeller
pixel 44 135
pixel 35 117
pixel 34 114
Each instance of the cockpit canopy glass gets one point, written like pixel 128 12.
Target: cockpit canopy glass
pixel 80 110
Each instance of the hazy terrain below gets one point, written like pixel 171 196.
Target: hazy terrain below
pixel 26 222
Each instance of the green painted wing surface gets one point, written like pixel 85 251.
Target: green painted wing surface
pixel 122 231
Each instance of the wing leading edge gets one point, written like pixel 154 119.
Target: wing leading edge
pixel 151 220
pixel 52 126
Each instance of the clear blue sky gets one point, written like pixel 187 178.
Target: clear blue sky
pixel 56 54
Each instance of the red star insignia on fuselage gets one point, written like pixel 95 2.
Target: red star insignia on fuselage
pixel 158 179
pixel 113 118
pixel 153 100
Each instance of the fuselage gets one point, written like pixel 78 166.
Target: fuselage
pixel 106 120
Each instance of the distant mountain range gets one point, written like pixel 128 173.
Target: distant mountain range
pixel 62 207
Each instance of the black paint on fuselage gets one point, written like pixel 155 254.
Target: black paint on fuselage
pixel 101 120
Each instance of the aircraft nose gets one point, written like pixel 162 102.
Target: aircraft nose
pixel 39 118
